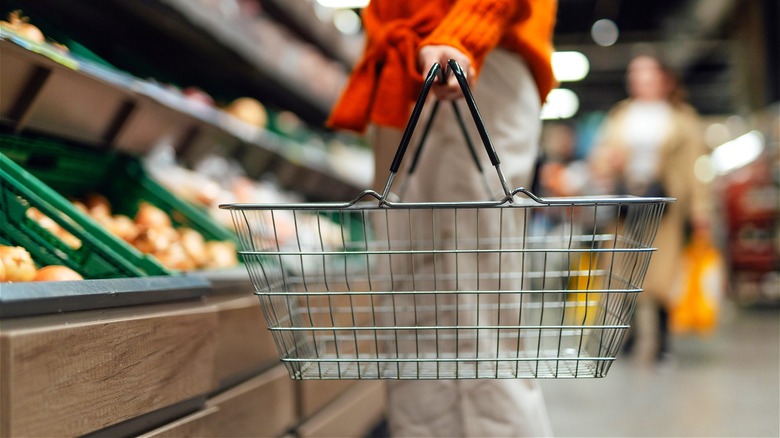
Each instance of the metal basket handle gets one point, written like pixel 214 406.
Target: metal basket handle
pixel 435 70
pixel 469 144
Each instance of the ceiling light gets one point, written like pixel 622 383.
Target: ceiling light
pixel 343 4
pixel 716 134
pixel 347 21
pixel 570 66
pixel 604 32
pixel 738 152
pixel 561 104
pixel 703 170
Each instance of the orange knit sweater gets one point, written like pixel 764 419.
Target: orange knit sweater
pixel 386 81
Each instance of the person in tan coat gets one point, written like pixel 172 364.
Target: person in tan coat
pixel 648 147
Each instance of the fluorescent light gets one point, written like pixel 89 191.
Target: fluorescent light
pixel 343 4
pixel 604 32
pixel 570 66
pixel 347 21
pixel 703 170
pixel 716 134
pixel 561 104
pixel 738 152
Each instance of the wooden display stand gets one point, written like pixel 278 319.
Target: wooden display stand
pixel 203 366
pixel 74 373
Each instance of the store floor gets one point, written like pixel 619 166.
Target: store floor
pixel 727 385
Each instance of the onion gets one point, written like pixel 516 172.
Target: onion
pixel 195 94
pixel 19 24
pixel 152 240
pixel 175 257
pixel 221 255
pixel 152 217
pixel 17 264
pixel 248 110
pixel 208 193
pixel 61 47
pixel 53 227
pixel 72 241
pixel 57 273
pixel 123 227
pixel 81 206
pixel 194 245
pixel 106 221
pixel 97 205
pixel 31 32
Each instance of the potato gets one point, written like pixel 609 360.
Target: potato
pixel 17 264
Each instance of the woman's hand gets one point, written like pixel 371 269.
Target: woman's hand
pixel 442 54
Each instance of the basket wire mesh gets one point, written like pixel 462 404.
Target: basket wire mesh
pixel 522 287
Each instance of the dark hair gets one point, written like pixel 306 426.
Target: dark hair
pixel 677 93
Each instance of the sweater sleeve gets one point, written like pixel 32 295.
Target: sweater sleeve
pixel 476 26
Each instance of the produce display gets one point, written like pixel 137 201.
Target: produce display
pixel 54 228
pixel 16 265
pixel 288 231
pixel 20 25
pixel 151 231
pixel 249 111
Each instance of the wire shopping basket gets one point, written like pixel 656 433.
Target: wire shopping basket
pixel 522 287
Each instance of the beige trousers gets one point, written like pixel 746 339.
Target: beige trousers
pixel 508 101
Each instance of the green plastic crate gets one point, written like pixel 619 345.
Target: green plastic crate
pixel 65 170
pixel 101 255
pixel 75 171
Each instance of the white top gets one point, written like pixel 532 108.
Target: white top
pixel 645 129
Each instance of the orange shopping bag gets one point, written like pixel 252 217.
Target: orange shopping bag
pixel 701 289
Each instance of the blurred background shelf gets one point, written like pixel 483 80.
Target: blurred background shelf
pixel 56 94
pixel 303 17
pixel 238 56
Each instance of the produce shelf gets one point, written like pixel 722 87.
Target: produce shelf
pixel 79 100
pixel 302 17
pixel 40 298
pixel 95 253
pixel 195 42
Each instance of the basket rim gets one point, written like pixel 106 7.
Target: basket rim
pixel 532 200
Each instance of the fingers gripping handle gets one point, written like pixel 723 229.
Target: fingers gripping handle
pixel 436 70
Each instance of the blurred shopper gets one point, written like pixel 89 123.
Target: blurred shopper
pixel 648 147
pixel 505 48
pixel 562 172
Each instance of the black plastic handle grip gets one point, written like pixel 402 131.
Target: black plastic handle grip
pixel 472 104
pixel 427 128
pixel 418 106
pixel 435 70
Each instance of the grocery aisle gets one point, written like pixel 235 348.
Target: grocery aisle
pixel 728 385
